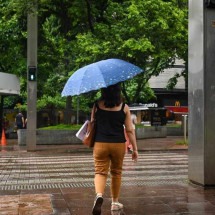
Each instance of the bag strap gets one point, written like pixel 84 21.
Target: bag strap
pixel 123 105
pixel 94 111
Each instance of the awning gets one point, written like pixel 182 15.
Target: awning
pixel 9 84
pixel 176 109
pixel 135 108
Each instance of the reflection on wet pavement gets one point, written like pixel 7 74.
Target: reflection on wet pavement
pixel 119 212
pixel 26 204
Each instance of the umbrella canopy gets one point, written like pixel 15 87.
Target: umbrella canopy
pixel 99 75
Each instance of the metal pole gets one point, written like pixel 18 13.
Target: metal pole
pixel 185 128
pixel 201 91
pixel 32 32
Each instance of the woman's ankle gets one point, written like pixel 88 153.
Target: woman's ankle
pixel 99 194
pixel 115 200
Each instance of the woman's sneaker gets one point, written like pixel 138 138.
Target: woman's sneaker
pixel 97 205
pixel 115 206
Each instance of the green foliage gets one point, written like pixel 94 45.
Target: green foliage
pixel 171 125
pixel 51 102
pixel 72 34
pixel 173 81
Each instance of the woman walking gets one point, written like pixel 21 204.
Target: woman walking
pixel 111 116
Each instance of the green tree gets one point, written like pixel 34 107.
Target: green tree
pixel 150 34
pixel 12 47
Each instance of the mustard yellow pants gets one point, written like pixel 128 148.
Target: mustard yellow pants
pixel 108 156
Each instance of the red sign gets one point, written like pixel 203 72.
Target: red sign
pixel 175 109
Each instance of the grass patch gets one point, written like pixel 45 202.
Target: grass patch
pixel 62 127
pixel 141 126
pixel 167 125
pixel 182 142
pixel 173 125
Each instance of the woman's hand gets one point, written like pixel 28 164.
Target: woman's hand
pixel 135 155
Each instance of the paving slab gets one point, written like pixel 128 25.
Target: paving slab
pixel 60 182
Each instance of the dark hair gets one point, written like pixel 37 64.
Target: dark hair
pixel 112 95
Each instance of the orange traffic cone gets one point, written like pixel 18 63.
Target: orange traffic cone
pixel 3 138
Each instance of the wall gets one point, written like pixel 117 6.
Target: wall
pixel 54 137
pixel 151 132
pixel 50 137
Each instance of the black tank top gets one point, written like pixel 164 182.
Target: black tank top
pixel 109 125
pixel 19 119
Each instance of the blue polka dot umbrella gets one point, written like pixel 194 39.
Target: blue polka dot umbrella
pixel 99 75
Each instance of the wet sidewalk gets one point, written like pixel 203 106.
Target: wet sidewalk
pixel 168 143
pixel 60 182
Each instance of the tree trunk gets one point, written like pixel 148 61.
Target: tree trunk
pixel 125 94
pixel 68 111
